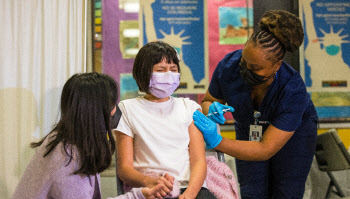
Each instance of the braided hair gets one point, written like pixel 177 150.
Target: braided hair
pixel 279 31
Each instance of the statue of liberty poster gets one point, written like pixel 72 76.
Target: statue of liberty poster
pixel 325 56
pixel 182 25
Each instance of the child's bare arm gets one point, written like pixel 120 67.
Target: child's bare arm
pixel 125 161
pixel 197 162
pixel 126 171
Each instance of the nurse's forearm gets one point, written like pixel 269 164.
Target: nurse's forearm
pixel 205 107
pixel 272 141
pixel 245 150
pixel 208 99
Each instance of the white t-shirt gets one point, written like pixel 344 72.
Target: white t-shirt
pixel 160 132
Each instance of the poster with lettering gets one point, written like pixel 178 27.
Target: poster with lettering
pixel 182 25
pixel 325 56
pixel 326 60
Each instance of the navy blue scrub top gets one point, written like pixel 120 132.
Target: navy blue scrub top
pixel 287 105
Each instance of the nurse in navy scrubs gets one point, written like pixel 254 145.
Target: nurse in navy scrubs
pixel 268 99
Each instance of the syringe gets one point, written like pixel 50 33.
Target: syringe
pixel 223 110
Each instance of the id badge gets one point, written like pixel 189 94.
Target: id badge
pixel 255 133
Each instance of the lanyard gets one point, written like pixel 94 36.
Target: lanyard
pixel 256 115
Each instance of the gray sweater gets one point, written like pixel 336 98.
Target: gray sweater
pixel 51 177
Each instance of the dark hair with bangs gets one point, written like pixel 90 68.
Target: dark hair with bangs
pixel 86 103
pixel 150 54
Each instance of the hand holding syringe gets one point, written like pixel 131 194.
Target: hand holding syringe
pixel 213 113
pixel 216 112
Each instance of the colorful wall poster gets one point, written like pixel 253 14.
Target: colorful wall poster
pixel 182 25
pixel 325 60
pixel 235 26
pixel 226 13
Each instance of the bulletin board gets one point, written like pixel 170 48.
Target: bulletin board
pixel 203 32
pixel 182 24
pixel 120 43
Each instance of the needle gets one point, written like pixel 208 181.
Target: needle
pixel 223 110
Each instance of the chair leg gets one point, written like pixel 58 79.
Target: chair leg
pixel 332 183
pixel 329 190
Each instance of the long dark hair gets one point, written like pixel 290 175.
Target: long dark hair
pixel 86 104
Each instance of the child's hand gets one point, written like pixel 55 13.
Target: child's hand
pixel 154 192
pixel 167 181
pixel 170 178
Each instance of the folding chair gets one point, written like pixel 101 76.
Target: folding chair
pixel 331 155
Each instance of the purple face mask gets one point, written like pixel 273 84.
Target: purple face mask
pixel 164 84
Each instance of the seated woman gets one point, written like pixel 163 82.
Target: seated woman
pixel 156 136
pixel 69 160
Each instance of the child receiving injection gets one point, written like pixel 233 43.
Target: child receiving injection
pixel 156 136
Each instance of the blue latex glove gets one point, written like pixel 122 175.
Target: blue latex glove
pixel 208 129
pixel 216 112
